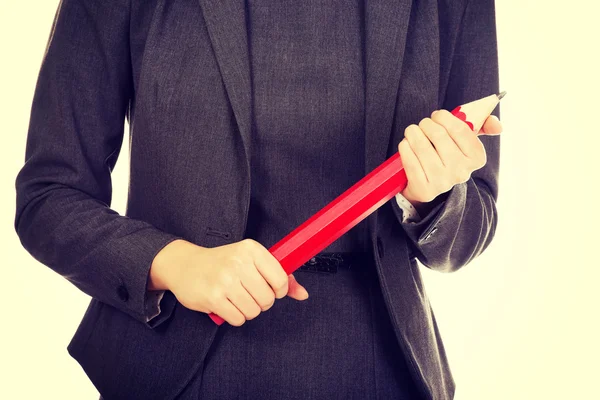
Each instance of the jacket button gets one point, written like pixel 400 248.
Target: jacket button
pixel 380 247
pixel 123 293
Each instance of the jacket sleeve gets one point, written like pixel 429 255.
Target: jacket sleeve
pixel 63 190
pixel 463 220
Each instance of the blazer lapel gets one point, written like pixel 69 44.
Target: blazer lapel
pixel 226 24
pixel 386 25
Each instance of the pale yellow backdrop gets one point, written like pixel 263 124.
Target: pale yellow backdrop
pixel 520 322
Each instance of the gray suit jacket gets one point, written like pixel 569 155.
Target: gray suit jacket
pixel 178 70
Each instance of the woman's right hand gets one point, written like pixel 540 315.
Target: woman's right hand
pixel 235 281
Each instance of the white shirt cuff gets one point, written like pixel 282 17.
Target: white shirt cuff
pixel 153 299
pixel 409 212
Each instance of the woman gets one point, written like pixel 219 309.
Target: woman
pixel 246 118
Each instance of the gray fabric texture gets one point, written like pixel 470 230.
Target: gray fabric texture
pixel 179 71
pixel 307 78
pixel 307 147
pixel 338 344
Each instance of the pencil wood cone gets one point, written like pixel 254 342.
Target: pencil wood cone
pixel 476 112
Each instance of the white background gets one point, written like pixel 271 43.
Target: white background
pixel 519 322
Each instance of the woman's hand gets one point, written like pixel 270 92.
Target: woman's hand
pixel 439 153
pixel 236 281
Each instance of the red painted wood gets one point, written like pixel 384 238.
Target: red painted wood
pixel 341 214
pixel 462 116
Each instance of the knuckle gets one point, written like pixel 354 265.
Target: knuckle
pixel 463 129
pixel 281 278
pixel 411 127
pixel 253 245
pixel 424 125
pixel 267 299
pixel 442 112
pixel 437 133
pixel 203 305
pixel 227 280
pixel 214 296
pixel 255 313
pixel 268 304
pixel 249 243
pixel 211 302
pixel 280 284
pixel 431 128
pixel 459 126
pixel 236 262
pixel 419 142
pixel 410 130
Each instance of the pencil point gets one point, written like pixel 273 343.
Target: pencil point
pixel 501 95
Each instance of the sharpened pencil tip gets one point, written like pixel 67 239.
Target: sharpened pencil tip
pixel 501 95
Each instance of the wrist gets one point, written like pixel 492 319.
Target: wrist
pixel 422 208
pixel 418 205
pixel 166 263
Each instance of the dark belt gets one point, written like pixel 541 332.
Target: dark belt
pixel 330 262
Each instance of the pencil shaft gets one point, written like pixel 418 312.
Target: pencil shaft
pixel 358 202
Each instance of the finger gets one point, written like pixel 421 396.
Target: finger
pixel 272 271
pixel 445 146
pixel 492 126
pixel 244 302
pixel 414 171
pixel 463 136
pixel 258 288
pixel 296 290
pixel 230 313
pixel 425 152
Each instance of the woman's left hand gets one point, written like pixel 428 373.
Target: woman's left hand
pixel 441 152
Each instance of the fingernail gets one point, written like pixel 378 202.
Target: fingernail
pixel 304 293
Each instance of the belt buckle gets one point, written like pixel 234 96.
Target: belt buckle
pixel 323 263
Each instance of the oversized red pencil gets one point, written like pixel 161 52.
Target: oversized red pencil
pixel 360 200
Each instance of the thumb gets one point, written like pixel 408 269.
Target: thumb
pixel 492 126
pixel 295 289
